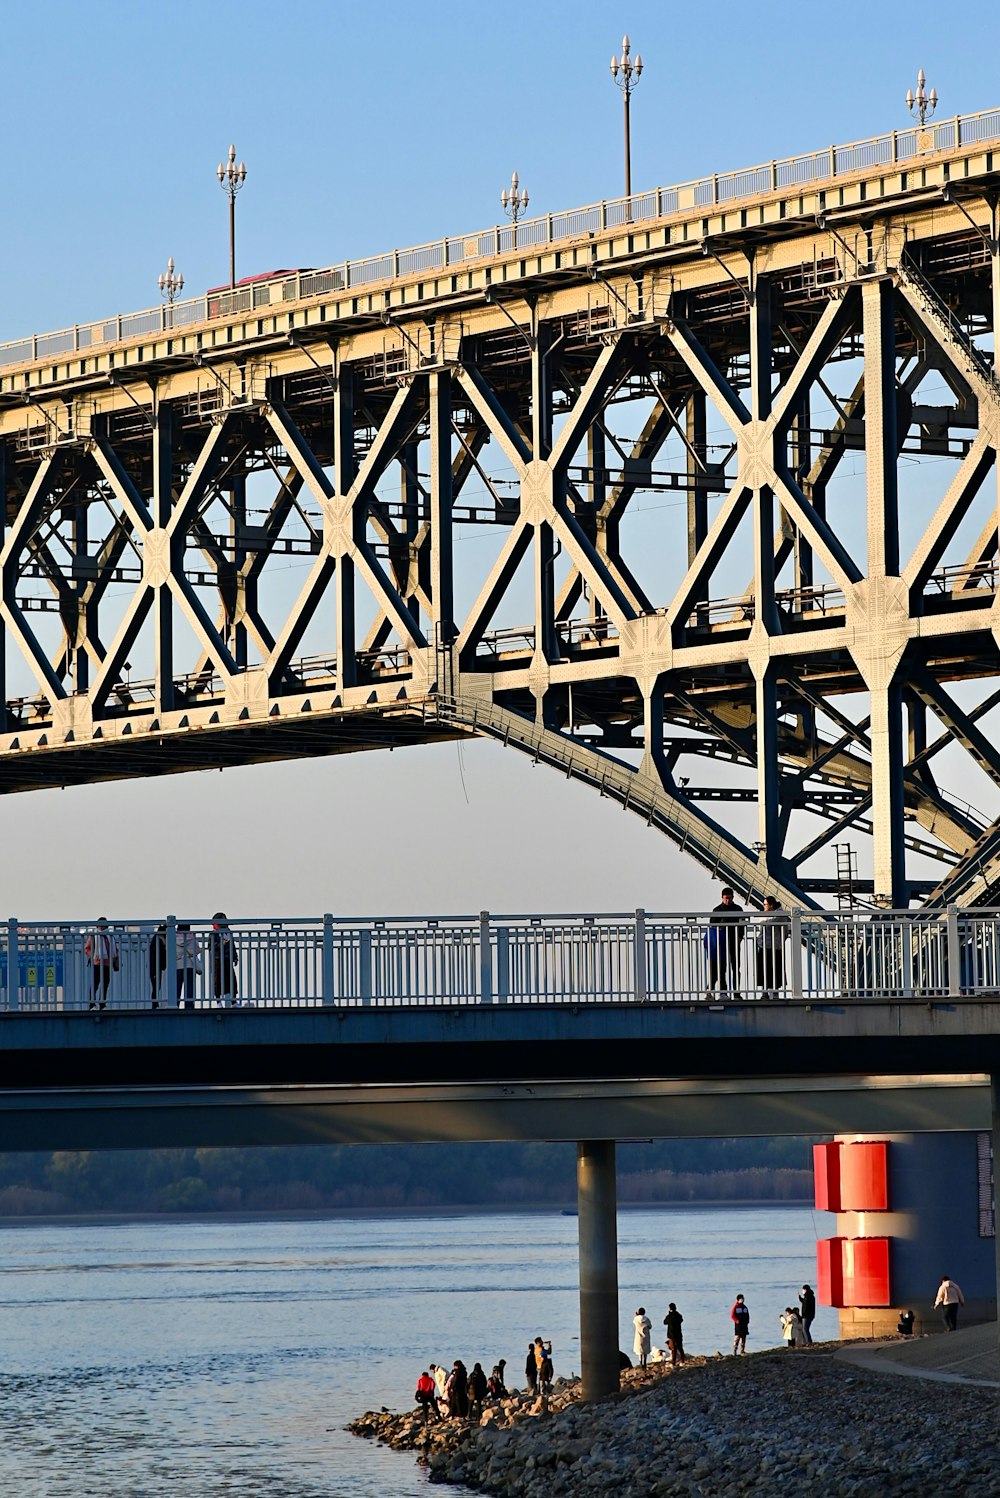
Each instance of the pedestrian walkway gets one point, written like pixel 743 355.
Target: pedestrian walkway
pixel 970 1355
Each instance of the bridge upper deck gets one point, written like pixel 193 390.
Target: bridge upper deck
pixel 880 175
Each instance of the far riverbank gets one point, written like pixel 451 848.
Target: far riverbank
pixel 374 1214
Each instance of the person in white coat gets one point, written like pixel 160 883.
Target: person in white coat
pixel 643 1329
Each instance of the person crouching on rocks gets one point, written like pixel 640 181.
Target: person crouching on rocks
pixel 440 1377
pixel 426 1396
pixel 643 1328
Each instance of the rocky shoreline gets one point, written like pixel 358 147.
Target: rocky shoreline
pixel 804 1423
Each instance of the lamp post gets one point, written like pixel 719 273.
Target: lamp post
pixel 171 284
pixel 921 103
pixel 630 70
pixel 231 179
pixel 514 202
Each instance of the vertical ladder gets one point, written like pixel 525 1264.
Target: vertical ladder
pixel 847 873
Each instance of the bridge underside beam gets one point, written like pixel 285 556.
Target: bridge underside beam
pixel 161 1118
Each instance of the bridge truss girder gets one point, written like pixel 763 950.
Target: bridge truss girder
pixel 837 679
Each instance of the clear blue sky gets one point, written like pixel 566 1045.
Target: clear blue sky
pixel 365 128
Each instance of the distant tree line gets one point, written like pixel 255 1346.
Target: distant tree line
pixel 401 1176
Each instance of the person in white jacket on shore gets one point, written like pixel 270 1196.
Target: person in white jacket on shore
pixel 643 1328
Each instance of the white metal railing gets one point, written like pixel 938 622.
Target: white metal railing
pixel 898 146
pixel 790 956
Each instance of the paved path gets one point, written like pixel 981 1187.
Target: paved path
pixel 970 1355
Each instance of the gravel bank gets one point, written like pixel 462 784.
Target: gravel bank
pixel 784 1423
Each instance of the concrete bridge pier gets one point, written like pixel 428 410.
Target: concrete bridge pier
pixel 597 1204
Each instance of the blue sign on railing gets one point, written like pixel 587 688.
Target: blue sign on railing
pixel 40 970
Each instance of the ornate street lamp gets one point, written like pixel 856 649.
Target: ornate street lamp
pixel 921 103
pixel 231 179
pixel 629 71
pixel 171 284
pixel 514 202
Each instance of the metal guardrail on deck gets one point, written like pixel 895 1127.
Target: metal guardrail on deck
pixel 640 957
pixel 894 148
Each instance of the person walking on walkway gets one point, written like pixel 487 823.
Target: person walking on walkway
pixel 101 953
pixel 949 1298
pixel 724 938
pixel 188 964
pixel 222 952
pixel 643 1330
pixel 771 934
pixel 673 1321
pixel 740 1315
pixel 157 963
pixel 807 1305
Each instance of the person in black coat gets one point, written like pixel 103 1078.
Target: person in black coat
pixel 674 1321
pixel 457 1390
pixel 477 1391
pixel 222 950
pixel 807 1310
pixel 531 1369
pixel 157 962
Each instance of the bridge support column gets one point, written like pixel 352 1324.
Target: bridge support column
pixel 596 1200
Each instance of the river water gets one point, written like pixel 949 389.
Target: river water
pixel 201 1359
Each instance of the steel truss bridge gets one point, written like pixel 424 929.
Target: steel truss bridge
pixel 692 496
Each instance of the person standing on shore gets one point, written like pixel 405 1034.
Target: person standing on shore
pixel 807 1304
pixel 792 1332
pixel 643 1329
pixel 531 1369
pixel 949 1297
pixel 426 1396
pixel 477 1391
pixel 740 1316
pixel 673 1321
pixel 440 1378
pixel 543 1362
pixel 457 1390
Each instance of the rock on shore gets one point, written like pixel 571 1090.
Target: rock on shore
pixel 776 1422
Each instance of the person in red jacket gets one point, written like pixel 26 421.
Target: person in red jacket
pixel 740 1315
pixel 426 1396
